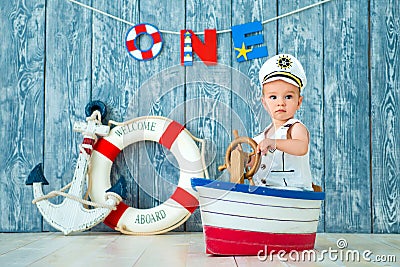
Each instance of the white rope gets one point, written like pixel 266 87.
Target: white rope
pixel 202 152
pixel 101 12
pixel 80 200
pixel 199 33
pixel 96 117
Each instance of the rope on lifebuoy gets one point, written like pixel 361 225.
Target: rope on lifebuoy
pixel 182 203
pixel 199 140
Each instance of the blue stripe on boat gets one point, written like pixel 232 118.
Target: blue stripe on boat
pixel 257 190
pixel 262 205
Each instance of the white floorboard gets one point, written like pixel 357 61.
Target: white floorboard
pixel 179 249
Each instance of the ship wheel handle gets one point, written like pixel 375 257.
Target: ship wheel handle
pixel 237 142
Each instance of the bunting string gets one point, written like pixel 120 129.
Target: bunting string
pixel 199 33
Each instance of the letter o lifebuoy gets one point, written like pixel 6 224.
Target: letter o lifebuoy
pixel 183 202
pixel 133 48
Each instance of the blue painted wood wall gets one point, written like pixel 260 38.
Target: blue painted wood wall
pixel 55 56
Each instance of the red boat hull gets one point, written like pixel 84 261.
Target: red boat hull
pixel 223 241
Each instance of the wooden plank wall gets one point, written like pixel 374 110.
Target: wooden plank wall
pixel 55 56
pixel 346 117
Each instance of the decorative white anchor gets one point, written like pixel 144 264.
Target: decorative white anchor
pixel 71 215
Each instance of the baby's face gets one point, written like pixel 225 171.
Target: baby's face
pixel 281 100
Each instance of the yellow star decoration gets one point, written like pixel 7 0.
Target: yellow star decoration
pixel 243 51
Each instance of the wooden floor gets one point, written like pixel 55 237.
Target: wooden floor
pixel 181 249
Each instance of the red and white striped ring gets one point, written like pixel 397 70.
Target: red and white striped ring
pixel 183 202
pixel 132 46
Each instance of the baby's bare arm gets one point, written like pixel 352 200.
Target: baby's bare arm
pixel 297 145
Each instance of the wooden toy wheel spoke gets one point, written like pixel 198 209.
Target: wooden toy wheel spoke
pixel 237 143
pixel 251 154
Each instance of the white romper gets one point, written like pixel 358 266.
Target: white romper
pixel 282 170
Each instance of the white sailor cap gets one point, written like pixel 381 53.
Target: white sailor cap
pixel 283 67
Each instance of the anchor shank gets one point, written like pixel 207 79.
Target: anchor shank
pixel 78 182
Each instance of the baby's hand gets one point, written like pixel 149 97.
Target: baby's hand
pixel 265 145
pixel 250 162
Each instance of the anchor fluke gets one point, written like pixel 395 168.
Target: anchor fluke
pixel 119 188
pixel 36 176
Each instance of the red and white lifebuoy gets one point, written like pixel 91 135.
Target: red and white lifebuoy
pixel 132 37
pixel 183 202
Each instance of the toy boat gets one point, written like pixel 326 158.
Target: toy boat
pixel 240 219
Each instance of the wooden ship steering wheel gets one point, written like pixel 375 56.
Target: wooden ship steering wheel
pixel 236 159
